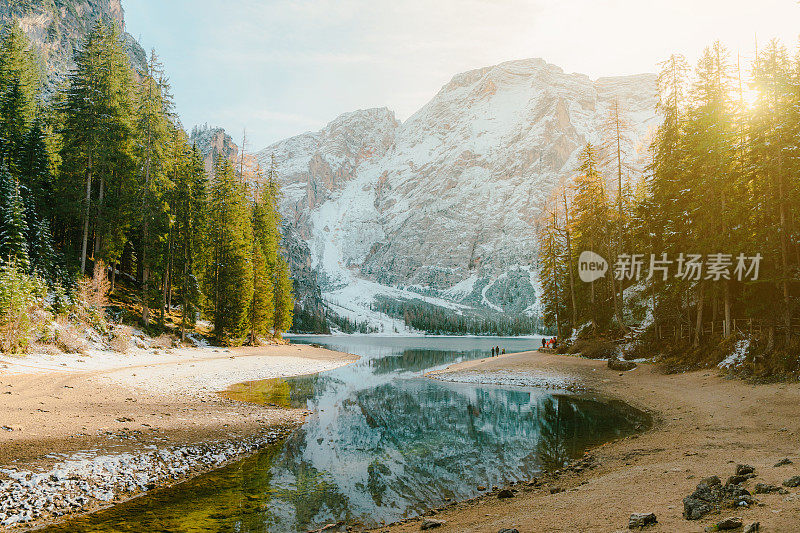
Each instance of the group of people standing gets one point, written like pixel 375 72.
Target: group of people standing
pixel 552 343
pixel 496 351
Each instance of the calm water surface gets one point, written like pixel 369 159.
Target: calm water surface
pixel 384 443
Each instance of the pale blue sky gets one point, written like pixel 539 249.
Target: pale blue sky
pixel 282 67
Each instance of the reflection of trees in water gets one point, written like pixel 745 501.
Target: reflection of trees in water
pixel 292 392
pixel 416 360
pixel 569 425
pixel 234 498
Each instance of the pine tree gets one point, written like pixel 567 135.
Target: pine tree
pixel 591 226
pixel 190 196
pixel 43 257
pixel 552 268
pixel 19 85
pixel 13 245
pixel 34 169
pixel 154 110
pixel 98 132
pixel 712 175
pixel 229 269
pixel 772 158
pixel 265 245
pixel 277 264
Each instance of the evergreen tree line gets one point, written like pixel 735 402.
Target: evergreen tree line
pixel 721 176
pixel 436 320
pixel 103 175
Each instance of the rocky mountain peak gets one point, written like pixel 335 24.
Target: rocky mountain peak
pixel 442 205
pixel 57 28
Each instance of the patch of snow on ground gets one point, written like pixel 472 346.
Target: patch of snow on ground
pixel 738 356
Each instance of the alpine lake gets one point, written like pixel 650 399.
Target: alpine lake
pixel 383 443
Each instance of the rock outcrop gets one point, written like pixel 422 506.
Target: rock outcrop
pixel 57 29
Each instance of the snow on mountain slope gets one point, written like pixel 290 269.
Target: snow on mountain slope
pixel 443 204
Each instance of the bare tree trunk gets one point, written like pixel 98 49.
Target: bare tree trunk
pixel 701 289
pixel 571 267
pixel 98 225
pixel 618 306
pixel 86 214
pixel 727 303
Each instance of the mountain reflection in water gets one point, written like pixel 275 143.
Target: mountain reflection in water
pixel 383 443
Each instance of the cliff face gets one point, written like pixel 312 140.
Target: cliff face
pixel 213 143
pixel 444 203
pixel 57 28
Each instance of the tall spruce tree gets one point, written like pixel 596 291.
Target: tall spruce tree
pixel 19 86
pixel 154 112
pixel 13 245
pixel 229 268
pixel 98 131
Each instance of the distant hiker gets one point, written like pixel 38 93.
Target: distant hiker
pixel 544 342
pixel 497 350
pixel 492 351
pixel 504 351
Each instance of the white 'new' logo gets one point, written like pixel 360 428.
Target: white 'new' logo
pixel 591 266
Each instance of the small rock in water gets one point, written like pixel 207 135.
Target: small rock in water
pixel 505 493
pixel 641 520
pixel 743 470
pixel 430 523
pixel 784 461
pixel 732 522
pixel 481 487
pixel 752 528
pixel 793 481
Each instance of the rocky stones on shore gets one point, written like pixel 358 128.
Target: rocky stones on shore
pixel 640 520
pixel 727 524
pixel 752 528
pixel 508 530
pixel 431 523
pixel 86 480
pixel 711 494
pixel 505 493
pixel 744 470
pixel 765 488
pixel 793 481
pixel 782 462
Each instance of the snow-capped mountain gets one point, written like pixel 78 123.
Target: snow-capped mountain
pixel 443 204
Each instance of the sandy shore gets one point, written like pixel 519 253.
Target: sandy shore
pixel 74 417
pixel 705 425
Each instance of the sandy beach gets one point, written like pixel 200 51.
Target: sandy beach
pixel 705 424
pixel 81 417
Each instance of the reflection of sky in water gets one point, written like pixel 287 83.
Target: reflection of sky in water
pixel 385 442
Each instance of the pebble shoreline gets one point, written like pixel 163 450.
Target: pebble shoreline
pixel 85 481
